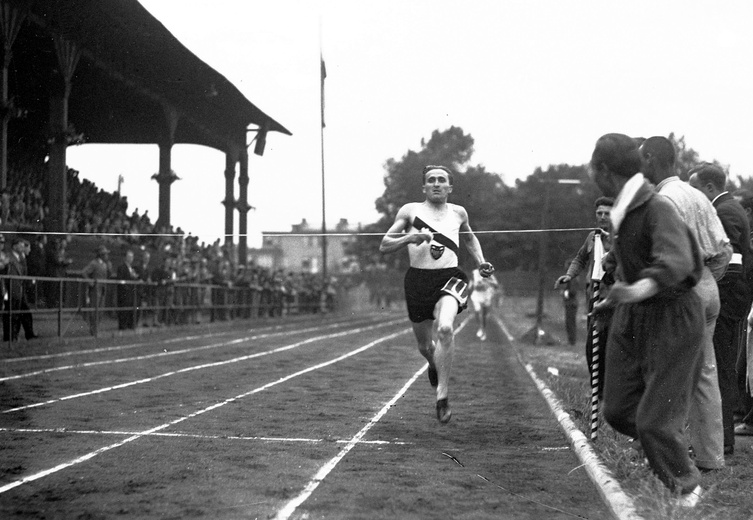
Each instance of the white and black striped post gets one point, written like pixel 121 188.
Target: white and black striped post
pixel 596 276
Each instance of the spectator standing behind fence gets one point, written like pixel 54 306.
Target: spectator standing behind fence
pixel 734 293
pixel 127 293
pixel 56 266
pixel 146 291
pixel 35 263
pixel 99 268
pixel 17 298
pixel 4 261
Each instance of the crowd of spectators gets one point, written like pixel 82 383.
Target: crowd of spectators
pixel 180 279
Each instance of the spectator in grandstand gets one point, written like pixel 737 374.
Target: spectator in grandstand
pixel 658 318
pixel 584 262
pixel 435 288
pixel 705 419
pixel 127 293
pixel 99 268
pixel 734 293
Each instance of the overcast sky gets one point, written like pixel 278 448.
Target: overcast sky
pixel 534 82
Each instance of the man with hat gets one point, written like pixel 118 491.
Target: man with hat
pixel 99 268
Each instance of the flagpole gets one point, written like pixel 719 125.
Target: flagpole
pixel 323 75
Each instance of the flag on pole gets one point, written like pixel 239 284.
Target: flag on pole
pixel 323 77
pixel 596 276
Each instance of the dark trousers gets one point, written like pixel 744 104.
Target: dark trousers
pixel 21 318
pixel 654 363
pixel 727 336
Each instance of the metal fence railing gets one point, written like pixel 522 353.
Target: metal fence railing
pixel 80 306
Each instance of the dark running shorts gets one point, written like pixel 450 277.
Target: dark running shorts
pixel 424 287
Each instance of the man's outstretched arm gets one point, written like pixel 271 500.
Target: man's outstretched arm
pixel 474 248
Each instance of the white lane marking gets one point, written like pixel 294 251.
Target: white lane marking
pixel 168 341
pixel 504 328
pixel 290 507
pixel 169 353
pixel 90 455
pixel 195 367
pixel 192 436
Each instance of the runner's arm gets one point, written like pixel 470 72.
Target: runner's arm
pixel 473 246
pixel 396 238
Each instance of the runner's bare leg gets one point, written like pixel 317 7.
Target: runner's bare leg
pixel 445 312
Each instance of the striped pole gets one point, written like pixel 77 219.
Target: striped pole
pixel 596 276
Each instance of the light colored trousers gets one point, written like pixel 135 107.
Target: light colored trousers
pixel 705 416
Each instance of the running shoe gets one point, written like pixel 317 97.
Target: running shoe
pixel 744 429
pixel 443 411
pixel 479 333
pixel 690 500
pixel 482 337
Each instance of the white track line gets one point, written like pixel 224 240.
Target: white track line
pixel 172 352
pixel 164 341
pixel 291 506
pixel 90 455
pixel 193 436
pixel 192 368
pixel 620 504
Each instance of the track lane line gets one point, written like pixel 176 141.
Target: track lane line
pixel 197 367
pixel 291 506
pixel 90 455
pixel 171 352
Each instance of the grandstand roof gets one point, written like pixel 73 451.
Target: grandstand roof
pixel 131 70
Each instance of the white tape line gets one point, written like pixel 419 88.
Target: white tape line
pixel 291 506
pixel 192 368
pixel 616 499
pixel 171 352
pixel 191 436
pixel 93 454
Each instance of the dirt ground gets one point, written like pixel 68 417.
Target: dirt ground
pixel 236 421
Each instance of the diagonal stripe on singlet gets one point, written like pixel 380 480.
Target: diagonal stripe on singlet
pixel 439 237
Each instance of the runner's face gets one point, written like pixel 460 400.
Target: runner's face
pixel 437 185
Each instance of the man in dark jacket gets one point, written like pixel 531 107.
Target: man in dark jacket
pixel 654 340
pixel 734 293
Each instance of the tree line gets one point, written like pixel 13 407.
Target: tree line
pixel 507 219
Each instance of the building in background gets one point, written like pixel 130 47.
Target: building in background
pixel 300 249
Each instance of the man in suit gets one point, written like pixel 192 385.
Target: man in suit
pixel 17 302
pixel 734 293
pixel 127 293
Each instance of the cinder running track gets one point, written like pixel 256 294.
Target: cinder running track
pixel 326 418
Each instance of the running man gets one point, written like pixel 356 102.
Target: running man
pixel 483 295
pixel 436 290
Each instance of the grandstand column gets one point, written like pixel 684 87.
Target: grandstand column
pixel 242 206
pixel 11 20
pixel 166 176
pixel 61 134
pixel 231 157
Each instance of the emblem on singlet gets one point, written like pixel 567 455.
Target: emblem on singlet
pixel 436 251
